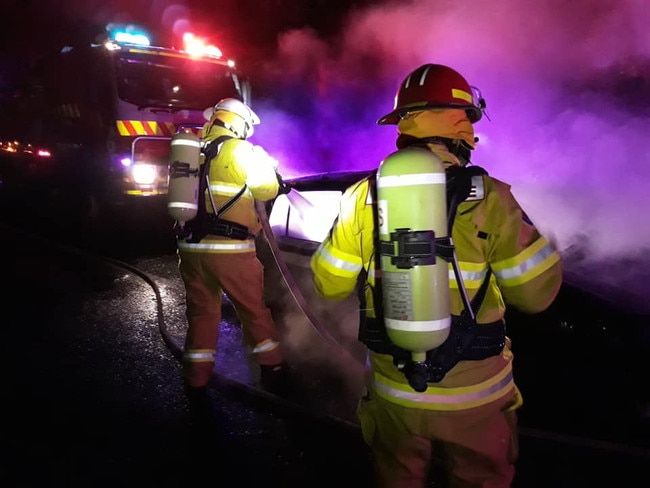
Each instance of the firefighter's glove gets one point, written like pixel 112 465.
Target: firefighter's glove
pixel 283 186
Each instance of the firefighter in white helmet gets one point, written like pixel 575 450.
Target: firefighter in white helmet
pixel 464 418
pixel 220 257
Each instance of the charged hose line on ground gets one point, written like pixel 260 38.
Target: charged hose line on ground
pixel 221 380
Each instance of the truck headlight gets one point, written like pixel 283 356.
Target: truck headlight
pixel 144 174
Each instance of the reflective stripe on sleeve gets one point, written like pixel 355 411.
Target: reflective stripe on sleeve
pixel 435 398
pixel 338 266
pixel 527 265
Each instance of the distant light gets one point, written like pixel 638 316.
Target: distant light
pixel 111 45
pixel 44 153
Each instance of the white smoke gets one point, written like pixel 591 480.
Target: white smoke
pixel 567 87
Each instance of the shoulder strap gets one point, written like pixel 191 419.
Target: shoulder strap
pixel 459 186
pixel 224 208
pixel 210 150
pixel 376 291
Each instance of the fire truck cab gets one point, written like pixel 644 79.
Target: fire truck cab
pixel 95 120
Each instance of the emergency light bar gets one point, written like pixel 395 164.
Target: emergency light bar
pixel 139 39
pixel 128 34
pixel 135 36
pixel 198 47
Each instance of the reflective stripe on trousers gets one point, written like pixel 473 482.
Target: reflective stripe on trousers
pixel 265 346
pixel 199 355
pixel 436 398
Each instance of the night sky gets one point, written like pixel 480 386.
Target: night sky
pixel 567 86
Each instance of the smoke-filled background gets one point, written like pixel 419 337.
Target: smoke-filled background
pixel 567 86
pixel 568 96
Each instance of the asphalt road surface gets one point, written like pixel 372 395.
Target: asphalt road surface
pixel 95 396
pixel 95 399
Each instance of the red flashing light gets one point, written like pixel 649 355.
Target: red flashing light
pixel 198 47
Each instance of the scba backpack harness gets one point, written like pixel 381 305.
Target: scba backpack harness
pixel 211 223
pixel 467 340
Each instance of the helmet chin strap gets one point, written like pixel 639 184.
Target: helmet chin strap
pixel 458 147
pixel 462 150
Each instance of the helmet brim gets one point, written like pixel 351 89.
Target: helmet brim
pixel 207 113
pixel 254 117
pixel 389 119
pixel 473 113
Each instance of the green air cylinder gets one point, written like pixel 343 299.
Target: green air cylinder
pixel 183 189
pixel 412 210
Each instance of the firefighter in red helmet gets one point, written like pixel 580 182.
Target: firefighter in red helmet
pixel 463 417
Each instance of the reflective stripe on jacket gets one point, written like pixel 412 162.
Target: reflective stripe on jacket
pixel 489 230
pixel 221 245
pixel 449 398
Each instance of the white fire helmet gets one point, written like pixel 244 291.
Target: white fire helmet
pixel 236 107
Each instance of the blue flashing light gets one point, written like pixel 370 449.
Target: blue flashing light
pixel 132 38
pixel 128 34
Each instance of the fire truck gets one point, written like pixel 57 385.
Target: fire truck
pixel 92 123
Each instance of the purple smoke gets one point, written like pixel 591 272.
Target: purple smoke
pixel 567 89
